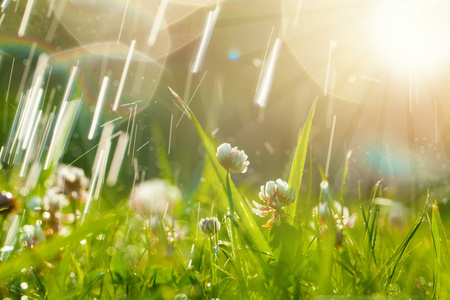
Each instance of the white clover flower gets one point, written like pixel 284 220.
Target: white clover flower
pixel 54 199
pixel 232 159
pixel 209 226
pixel 154 197
pixel 343 213
pixel 276 195
pixel 72 181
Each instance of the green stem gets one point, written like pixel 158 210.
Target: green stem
pixel 230 199
pixel 214 285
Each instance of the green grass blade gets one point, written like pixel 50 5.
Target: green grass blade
pixel 398 254
pixel 298 164
pixel 244 212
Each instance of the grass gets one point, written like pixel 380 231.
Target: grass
pixel 116 253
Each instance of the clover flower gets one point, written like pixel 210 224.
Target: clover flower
pixel 209 226
pixel 232 159
pixel 8 203
pixel 72 181
pixel 276 195
pixel 55 199
pixel 321 211
pixel 154 197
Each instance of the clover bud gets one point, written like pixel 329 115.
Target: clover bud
pixel 232 159
pixel 209 226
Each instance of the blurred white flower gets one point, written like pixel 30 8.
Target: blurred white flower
pixel 209 225
pixel 276 195
pixel 232 159
pixel 31 235
pixel 54 199
pixel 154 197
pixel 321 211
pixel 72 181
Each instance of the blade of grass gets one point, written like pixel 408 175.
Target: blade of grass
pixel 395 259
pixel 298 165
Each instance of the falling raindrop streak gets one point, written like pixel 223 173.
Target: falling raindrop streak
pixel 157 22
pixel 266 79
pixel 333 45
pixel 330 146
pixel 124 75
pixel 202 46
pixel 99 107
pixel 26 16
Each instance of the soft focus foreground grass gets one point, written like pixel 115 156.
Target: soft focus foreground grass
pixel 117 254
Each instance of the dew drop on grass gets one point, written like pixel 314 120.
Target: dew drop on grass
pixel 324 185
pixel 83 242
pixel 24 285
pixel 111 251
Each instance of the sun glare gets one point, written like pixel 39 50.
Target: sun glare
pixel 413 33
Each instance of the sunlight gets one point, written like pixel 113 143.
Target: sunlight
pixel 412 33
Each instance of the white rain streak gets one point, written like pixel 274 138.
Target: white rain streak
pixel 55 21
pixel 35 171
pixel 132 128
pixel 10 78
pixel 157 22
pixel 297 12
pixel 26 71
pixel 35 97
pixel 91 187
pixel 333 44
pixel 104 147
pixel 13 131
pixel 330 106
pixel 117 160
pixel 192 97
pixel 141 147
pixel 124 75
pixel 170 134
pixel 51 7
pixel 5 4
pixel 267 75
pixel 29 147
pixel 98 108
pixel 11 238
pixel 1 155
pixel 6 107
pixel 134 142
pixel 25 18
pixel 32 118
pixel 269 147
pixel 67 92
pixel 202 46
pixel 330 146
pixel 2 18
pixel 123 21
pixel 112 121
pixel 18 133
